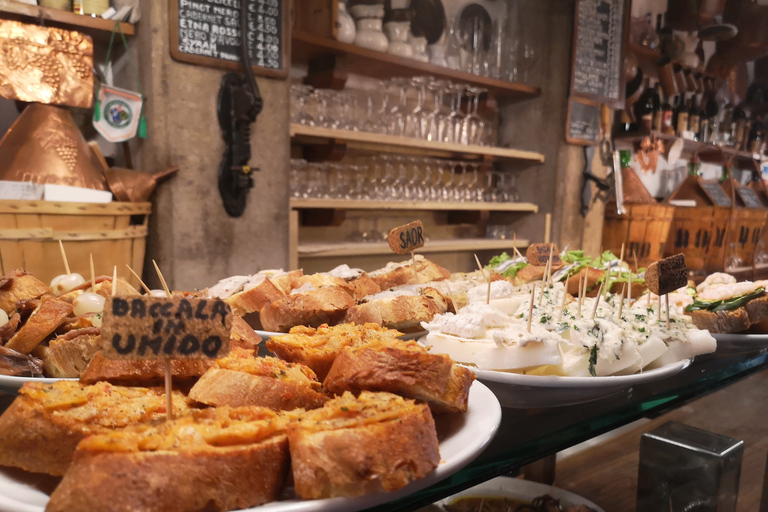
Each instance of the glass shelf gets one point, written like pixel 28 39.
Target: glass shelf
pixel 526 435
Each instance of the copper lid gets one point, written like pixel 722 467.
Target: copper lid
pixel 45 146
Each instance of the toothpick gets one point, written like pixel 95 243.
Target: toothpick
pixel 114 281
pixel 629 293
pixel 666 300
pixel 581 293
pixel 597 301
pixel 64 257
pixel 514 246
pixel 530 309
pixel 621 300
pixel 621 264
pixel 649 299
pixel 482 271
pixel 541 293
pixel 93 275
pixel 549 264
pixel 146 288
pixel 162 279
pixel 634 256
pixel 562 302
pixel 658 311
pixel 413 262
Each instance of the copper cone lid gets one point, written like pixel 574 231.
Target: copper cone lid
pixel 45 146
pixel 136 186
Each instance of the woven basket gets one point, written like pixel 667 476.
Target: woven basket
pixel 115 233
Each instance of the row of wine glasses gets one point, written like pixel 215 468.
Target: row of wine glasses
pixel 419 107
pixel 401 178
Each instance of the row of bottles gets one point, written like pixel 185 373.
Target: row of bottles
pixel 696 117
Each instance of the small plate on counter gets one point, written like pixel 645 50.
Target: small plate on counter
pixel 512 493
pixel 740 343
pixel 520 391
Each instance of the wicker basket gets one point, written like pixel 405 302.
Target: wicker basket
pixel 115 233
pixel 643 230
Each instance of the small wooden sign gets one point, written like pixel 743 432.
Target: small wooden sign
pixel 148 327
pixel 538 255
pixel 715 193
pixel 749 197
pixel 667 275
pixel 406 238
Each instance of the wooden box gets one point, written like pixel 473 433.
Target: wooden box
pixel 115 233
pixel 643 230
pixel 744 230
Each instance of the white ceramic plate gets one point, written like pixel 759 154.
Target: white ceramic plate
pixel 265 335
pixel 738 343
pixel 462 438
pixel 533 391
pixel 523 490
pixel 12 384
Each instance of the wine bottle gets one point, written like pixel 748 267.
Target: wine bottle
pixel 644 108
pixel 667 113
pixel 694 118
pixel 681 117
pixel 657 112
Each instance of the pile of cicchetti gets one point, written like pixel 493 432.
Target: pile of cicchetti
pixel 344 411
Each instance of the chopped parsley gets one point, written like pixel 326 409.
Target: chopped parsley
pixel 545 318
pixel 593 360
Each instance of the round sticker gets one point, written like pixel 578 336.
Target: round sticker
pixel 118 114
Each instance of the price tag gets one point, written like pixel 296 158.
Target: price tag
pixel 749 197
pixel 538 255
pixel 406 238
pixel 149 327
pixel 667 275
pixel 715 193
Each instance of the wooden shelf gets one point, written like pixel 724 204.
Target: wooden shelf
pixel 305 47
pixel 353 204
pixel 98 28
pixel 391 143
pixel 689 146
pixel 315 250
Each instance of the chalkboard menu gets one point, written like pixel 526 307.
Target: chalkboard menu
pixel 207 32
pixel 749 197
pixel 597 68
pixel 715 193
pixel 583 123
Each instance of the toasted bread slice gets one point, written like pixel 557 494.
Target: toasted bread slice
pixel 397 274
pixel 18 285
pixel 68 356
pixel 103 287
pixel 217 459
pixel 262 381
pixel 401 312
pixel 409 371
pixel 242 337
pixel 40 430
pixel 725 322
pixel 282 279
pixel 319 280
pixel 49 314
pixel 354 446
pixel 312 308
pixel 145 372
pixel 254 296
pixel 317 348
pixel 757 309
pixel 593 275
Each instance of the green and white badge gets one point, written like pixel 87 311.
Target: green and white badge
pixel 119 111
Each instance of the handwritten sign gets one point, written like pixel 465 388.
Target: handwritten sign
pixel 715 193
pixel 538 255
pixel 667 275
pixel 406 238
pixel 583 123
pixel 148 327
pixel 749 197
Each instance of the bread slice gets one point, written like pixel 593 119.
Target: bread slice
pixel 757 309
pixel 354 446
pixel 357 286
pixel 397 274
pixel 242 337
pixel 145 372
pixel 282 279
pixel 724 322
pixel 51 313
pixel 217 460
pixel 254 297
pixel 593 275
pixel 263 381
pixel 41 429
pixel 18 285
pixel 103 287
pixel 409 371
pixel 68 356
pixel 312 308
pixel 318 347
pixel 401 312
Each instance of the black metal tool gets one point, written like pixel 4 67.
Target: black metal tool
pixel 586 191
pixel 239 104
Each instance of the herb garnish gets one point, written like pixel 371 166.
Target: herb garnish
pixel 593 360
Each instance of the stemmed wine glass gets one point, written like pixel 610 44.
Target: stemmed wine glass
pixel 420 114
pixel 472 131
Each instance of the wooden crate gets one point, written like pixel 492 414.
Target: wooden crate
pixel 699 232
pixel 643 230
pixel 744 235
pixel 115 233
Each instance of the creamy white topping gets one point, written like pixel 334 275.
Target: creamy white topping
pixel 407 290
pixel 499 290
pixel 306 287
pixel 716 278
pixel 728 291
pixel 345 272
pixel 469 325
pixel 227 287
pixel 518 334
pixel 389 267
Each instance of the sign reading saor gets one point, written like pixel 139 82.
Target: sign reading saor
pixel 406 238
pixel 165 327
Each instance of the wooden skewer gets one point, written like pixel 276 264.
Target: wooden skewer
pixel 64 257
pixel 629 287
pixel 581 294
pixel 93 275
pixel 162 279
pixel 666 300
pixel 549 264
pixel 168 374
pixel 621 300
pixel 658 312
pixel 143 285
pixel 114 281
pixel 530 309
pixel 514 246
pixel 562 302
pixel 634 256
pixel 413 262
pixel 482 271
pixel 597 301
pixel 621 265
pixel 649 298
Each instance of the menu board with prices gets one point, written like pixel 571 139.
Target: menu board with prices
pixel 207 32
pixel 597 68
